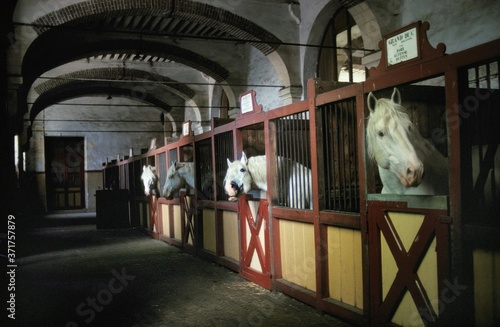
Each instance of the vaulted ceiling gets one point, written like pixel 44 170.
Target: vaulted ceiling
pixel 162 53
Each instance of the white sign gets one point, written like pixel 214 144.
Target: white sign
pixel 402 47
pixel 185 129
pixel 246 103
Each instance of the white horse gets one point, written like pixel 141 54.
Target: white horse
pixel 179 175
pixel 401 152
pixel 149 179
pixel 251 173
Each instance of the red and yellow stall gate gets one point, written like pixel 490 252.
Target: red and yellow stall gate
pixel 409 263
pixel 254 240
pixel 188 220
pixel 153 225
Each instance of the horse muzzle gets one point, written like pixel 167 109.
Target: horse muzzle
pixel 233 190
pixel 413 177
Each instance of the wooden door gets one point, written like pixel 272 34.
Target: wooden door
pixel 64 171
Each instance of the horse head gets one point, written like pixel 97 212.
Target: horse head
pixel 391 138
pixel 149 179
pixel 238 179
pixel 174 181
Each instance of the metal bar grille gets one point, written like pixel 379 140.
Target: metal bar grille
pixel 138 186
pixel 162 171
pixel 204 170
pixel 223 150
pixel 294 161
pixel 172 156
pixel 480 142
pixel 339 152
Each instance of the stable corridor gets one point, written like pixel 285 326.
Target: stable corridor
pixel 76 275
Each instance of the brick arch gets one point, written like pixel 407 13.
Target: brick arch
pixel 164 83
pixel 77 89
pixel 210 16
pixel 40 58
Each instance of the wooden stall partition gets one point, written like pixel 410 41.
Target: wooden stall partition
pixel 298 264
pixel 216 220
pixel 485 268
pixel 230 236
pixel 165 213
pixel 205 214
pixel 345 267
pixel 479 100
pixel 342 242
pixel 209 241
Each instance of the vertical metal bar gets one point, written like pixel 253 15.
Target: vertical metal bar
pixel 324 143
pixel 299 157
pixel 336 152
pixel 281 154
pixel 297 154
pixel 331 170
pixel 296 149
pixel 347 157
pixel 354 156
pixel 327 155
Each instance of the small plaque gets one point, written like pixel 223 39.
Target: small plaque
pixel 246 103
pixel 402 47
pixel 186 128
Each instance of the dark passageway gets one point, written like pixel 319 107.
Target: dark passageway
pixel 81 276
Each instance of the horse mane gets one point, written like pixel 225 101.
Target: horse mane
pixel 387 110
pixel 148 172
pixel 171 170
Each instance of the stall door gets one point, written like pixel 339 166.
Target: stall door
pixel 409 255
pixel 255 246
pixel 64 171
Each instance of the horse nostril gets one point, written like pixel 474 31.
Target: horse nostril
pixel 234 186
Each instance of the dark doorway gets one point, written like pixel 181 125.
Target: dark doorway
pixel 64 169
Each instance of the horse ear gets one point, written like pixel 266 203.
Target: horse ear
pixel 396 96
pixel 143 167
pixel 228 162
pixel 244 158
pixel 372 102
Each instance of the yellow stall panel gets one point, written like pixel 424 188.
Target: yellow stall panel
pixel 345 266
pixel 297 253
pixel 209 235
pixel 231 238
pixel 165 219
pixel 486 287
pixel 177 222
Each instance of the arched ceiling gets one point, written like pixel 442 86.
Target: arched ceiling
pixel 112 47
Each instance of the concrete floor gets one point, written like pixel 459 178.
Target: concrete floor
pixel 76 275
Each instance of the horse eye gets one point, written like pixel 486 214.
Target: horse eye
pixel 242 170
pixel 381 134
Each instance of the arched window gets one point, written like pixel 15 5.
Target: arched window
pixel 341 50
